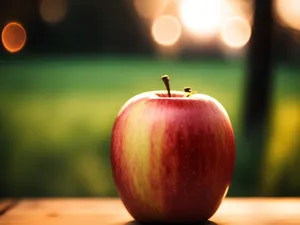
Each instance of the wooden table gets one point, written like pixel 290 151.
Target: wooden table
pixel 104 211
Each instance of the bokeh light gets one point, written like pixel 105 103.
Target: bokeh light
pixel 150 9
pixel 202 17
pixel 53 11
pixel 233 8
pixel 288 12
pixel 13 37
pixel 236 32
pixel 166 30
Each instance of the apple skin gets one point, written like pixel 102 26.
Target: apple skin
pixel 172 158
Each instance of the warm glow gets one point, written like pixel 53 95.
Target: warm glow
pixel 166 30
pixel 53 11
pixel 236 32
pixel 289 12
pixel 150 9
pixel 13 37
pixel 201 16
pixel 233 8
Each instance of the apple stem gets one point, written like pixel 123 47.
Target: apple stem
pixel 187 89
pixel 188 92
pixel 166 81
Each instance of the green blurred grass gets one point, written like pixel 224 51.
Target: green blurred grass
pixel 56 115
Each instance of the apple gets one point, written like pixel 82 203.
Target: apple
pixel 172 155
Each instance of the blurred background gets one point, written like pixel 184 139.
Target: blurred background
pixel 67 67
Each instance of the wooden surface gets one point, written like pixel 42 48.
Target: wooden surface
pixel 93 211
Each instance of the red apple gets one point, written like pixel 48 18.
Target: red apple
pixel 172 156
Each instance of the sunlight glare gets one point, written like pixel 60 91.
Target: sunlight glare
pixel 166 30
pixel 288 12
pixel 202 17
pixel 236 32
pixel 150 9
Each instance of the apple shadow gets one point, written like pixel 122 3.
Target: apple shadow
pixel 194 223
